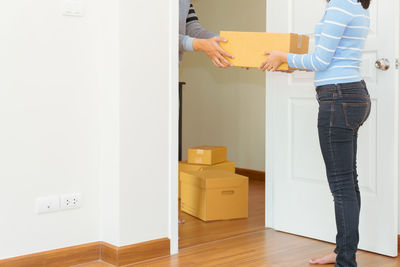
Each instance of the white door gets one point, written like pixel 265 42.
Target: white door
pixel 298 197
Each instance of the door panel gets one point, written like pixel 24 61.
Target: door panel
pixel 298 197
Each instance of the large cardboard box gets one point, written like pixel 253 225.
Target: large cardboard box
pixel 248 47
pixel 184 166
pixel 207 155
pixel 214 195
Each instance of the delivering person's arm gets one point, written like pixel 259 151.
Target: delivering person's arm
pixel 199 39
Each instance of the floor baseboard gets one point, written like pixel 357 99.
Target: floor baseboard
pixel 63 257
pixel 70 256
pixel 124 255
pixel 252 174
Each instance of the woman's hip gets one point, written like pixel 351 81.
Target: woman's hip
pixel 345 105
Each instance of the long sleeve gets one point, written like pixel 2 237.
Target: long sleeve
pixel 337 18
pixel 193 30
pixel 185 43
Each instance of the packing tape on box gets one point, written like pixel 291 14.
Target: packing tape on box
pixel 200 151
pixel 299 41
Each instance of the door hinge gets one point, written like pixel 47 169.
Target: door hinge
pixel 397 63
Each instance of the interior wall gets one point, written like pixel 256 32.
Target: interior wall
pixel 226 107
pixel 107 40
pixel 81 112
pixel 144 120
pixel 49 126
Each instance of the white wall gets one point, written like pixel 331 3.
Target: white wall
pixel 226 107
pixel 49 129
pixel 108 83
pixel 144 121
pixel 81 111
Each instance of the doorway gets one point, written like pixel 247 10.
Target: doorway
pixel 226 107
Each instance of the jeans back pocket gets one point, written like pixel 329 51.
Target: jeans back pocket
pixel 356 114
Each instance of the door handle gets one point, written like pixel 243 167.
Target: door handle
pixel 382 64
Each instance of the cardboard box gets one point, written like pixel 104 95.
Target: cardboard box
pixel 184 166
pixel 248 47
pixel 207 155
pixel 214 195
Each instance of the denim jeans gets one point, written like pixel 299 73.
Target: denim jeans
pixel 343 108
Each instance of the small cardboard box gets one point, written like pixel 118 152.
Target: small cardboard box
pixel 214 195
pixel 184 166
pixel 248 47
pixel 207 155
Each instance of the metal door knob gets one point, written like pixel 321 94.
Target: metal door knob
pixel 382 64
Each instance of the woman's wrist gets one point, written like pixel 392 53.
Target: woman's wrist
pixel 284 57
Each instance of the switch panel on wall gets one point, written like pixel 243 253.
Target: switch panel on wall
pixel 73 8
pixel 48 204
pixel 56 203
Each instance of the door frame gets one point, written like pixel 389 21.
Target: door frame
pixel 269 161
pixel 173 116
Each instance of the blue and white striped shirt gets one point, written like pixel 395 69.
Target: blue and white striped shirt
pixel 340 38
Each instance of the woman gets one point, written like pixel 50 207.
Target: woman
pixel 344 105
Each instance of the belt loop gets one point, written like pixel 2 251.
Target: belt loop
pixel 339 91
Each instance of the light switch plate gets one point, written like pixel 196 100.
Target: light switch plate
pixel 73 8
pixel 47 204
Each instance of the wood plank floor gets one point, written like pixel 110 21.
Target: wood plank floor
pixel 262 248
pixel 195 231
pixel 246 243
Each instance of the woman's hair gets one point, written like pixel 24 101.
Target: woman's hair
pixel 364 3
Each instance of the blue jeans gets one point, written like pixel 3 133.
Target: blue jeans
pixel 343 108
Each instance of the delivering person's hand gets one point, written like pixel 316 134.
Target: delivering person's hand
pixel 274 60
pixel 213 50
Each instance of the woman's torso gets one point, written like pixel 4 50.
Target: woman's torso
pixel 346 62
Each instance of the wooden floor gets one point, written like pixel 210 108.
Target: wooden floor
pixel 246 243
pixel 195 231
pixel 262 248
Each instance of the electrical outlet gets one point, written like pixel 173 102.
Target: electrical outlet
pixel 70 201
pixel 47 204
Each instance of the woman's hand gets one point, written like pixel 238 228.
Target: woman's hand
pixel 213 50
pixel 274 60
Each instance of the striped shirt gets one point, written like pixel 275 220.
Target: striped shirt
pixel 340 38
pixel 189 27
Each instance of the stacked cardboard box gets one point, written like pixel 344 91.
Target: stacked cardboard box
pixel 209 187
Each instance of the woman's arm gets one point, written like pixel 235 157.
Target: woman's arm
pixel 336 20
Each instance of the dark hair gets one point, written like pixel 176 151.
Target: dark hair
pixel 364 3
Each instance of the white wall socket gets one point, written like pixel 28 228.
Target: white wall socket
pixel 70 201
pixel 48 204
